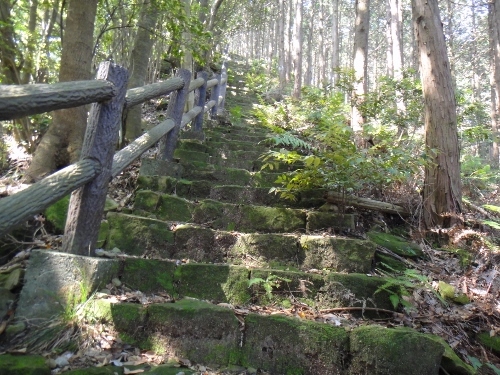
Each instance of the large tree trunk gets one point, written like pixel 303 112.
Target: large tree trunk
pixel 62 143
pixel 442 195
pixel 297 49
pixel 281 45
pixel 139 60
pixel 360 63
pixel 494 31
pixel 335 39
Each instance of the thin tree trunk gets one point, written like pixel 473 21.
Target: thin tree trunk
pixel 494 37
pixel 335 39
pixel 138 69
pixel 62 142
pixel 297 49
pixel 442 194
pixel 360 63
pixel 321 44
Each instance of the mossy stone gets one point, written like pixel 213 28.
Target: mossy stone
pixel 283 345
pixel 103 235
pixel 148 275
pixel 191 156
pixel 200 244
pixel 450 361
pixel 146 200
pixel 378 350
pixel 323 220
pixel 396 244
pixel 338 254
pixel 388 263
pixel 135 235
pixel 266 249
pixel 23 365
pixel 197 330
pixel 218 283
pixel 271 219
pixel 192 145
pixel 173 208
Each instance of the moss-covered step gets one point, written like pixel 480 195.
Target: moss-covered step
pixel 221 176
pixel 224 216
pixel 212 335
pixel 216 136
pixel 23 365
pixel 334 290
pixel 192 156
pixel 146 369
pixel 317 220
pixel 235 146
pixel 339 254
pixel 396 244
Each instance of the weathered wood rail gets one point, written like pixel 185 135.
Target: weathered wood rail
pixel 88 178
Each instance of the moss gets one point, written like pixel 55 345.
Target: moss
pixel 450 361
pixel 283 345
pixel 172 208
pixel 388 263
pixel 106 370
pixel 449 292
pixel 191 156
pixel 135 235
pixel 197 330
pixel 192 145
pixel 56 213
pixel 379 350
pixel 270 219
pixel 267 249
pixel 491 342
pixel 322 220
pixel 148 275
pixel 197 244
pixel 23 365
pixel 339 254
pixel 396 244
pixel 264 179
pixel 219 283
pixel 353 290
pixel 103 235
pixel 146 200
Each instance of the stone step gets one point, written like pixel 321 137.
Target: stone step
pixel 203 189
pixel 154 172
pixel 216 136
pixel 214 148
pixel 151 238
pixel 239 217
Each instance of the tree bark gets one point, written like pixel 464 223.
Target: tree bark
pixel 62 143
pixel 362 27
pixel 297 49
pixel 494 36
pixel 442 194
pixel 139 60
pixel 335 39
pixel 281 45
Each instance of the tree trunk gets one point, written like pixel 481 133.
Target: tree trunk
pixel 62 143
pixel 297 49
pixel 321 45
pixel 494 36
pixel 335 39
pixel 442 194
pixel 362 26
pixel 139 60
pixel 281 46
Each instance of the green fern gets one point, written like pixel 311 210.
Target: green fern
pixel 289 140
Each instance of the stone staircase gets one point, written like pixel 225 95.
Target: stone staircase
pixel 202 228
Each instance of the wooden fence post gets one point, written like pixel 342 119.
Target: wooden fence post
pixel 174 111
pixel 200 96
pixel 215 96
pixel 223 86
pixel 87 203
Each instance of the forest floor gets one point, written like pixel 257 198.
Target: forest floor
pixel 468 260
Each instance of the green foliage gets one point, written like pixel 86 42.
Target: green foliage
pixel 477 173
pixel 401 286
pixel 326 154
pixel 477 364
pixel 271 282
pixel 259 79
pixel 236 114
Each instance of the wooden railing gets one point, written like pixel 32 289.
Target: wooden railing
pixel 89 177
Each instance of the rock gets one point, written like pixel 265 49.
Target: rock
pixel 116 282
pixel 23 365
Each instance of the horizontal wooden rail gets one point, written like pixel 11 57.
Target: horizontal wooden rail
pixel 40 195
pixel 212 82
pixel 127 155
pixel 198 82
pixel 22 100
pixel 139 95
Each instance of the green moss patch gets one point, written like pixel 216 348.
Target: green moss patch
pixel 192 145
pixel 379 350
pixel 135 235
pixel 282 345
pixel 323 220
pixel 191 156
pixel 173 208
pixel 450 361
pixel 23 365
pixel 148 275
pixel 396 244
pixel 491 342
pixel 218 283
pixel 339 254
